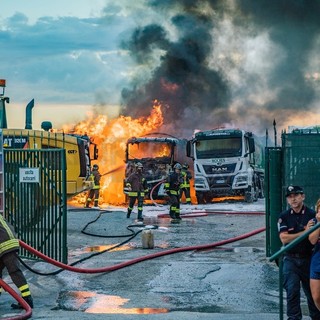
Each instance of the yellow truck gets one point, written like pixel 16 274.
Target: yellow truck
pixel 80 150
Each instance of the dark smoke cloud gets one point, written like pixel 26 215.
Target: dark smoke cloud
pixel 225 62
pixel 182 81
pixel 293 24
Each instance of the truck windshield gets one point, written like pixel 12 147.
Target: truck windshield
pixel 218 148
pixel 144 150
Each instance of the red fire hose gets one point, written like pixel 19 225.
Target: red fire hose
pixel 151 192
pixel 139 259
pixel 28 313
pixel 20 300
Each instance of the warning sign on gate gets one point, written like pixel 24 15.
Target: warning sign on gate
pixel 29 175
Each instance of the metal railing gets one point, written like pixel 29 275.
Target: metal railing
pixel 278 255
pixel 35 199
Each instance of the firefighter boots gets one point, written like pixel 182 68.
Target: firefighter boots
pixel 27 299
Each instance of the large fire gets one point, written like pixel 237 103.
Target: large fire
pixel 111 136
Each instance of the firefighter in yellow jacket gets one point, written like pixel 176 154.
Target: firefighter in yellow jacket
pixel 172 186
pixel 185 186
pixel 137 188
pixel 93 193
pixel 9 247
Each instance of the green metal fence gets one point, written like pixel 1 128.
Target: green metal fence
pixel 273 197
pixel 296 162
pixel 35 199
pixel 302 162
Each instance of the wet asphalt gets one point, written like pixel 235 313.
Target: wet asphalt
pixel 194 276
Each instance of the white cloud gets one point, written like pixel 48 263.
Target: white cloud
pixel 35 9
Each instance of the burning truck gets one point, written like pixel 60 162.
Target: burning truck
pixel 158 156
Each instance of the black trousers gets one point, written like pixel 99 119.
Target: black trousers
pixel 11 262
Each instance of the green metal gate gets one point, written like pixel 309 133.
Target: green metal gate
pixel 302 162
pixel 296 162
pixel 35 199
pixel 273 198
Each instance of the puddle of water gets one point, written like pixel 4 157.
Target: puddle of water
pixel 106 247
pixel 91 302
pixel 99 248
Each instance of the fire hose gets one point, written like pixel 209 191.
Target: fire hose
pixel 118 266
pixel 139 259
pixel 151 192
pixel 19 299
pixel 113 170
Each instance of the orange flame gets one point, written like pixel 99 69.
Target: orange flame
pixel 111 137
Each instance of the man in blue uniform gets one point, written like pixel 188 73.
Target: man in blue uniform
pixel 296 262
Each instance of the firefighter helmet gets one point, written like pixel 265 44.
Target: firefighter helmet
pixel 185 166
pixel 95 167
pixel 177 166
pixel 139 165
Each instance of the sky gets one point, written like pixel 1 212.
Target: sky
pixel 239 63
pixel 63 54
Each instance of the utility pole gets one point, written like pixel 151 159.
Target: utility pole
pixel 275 132
pixel 3 100
pixel 267 136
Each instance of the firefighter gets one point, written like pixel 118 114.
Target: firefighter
pixel 185 186
pixel 137 188
pixel 93 193
pixel 9 247
pixel 172 186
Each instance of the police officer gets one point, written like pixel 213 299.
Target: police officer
pixel 93 193
pixel 185 186
pixel 137 187
pixel 296 262
pixel 9 247
pixel 172 186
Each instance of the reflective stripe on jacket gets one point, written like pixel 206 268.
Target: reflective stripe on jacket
pixel 186 175
pixel 136 194
pixel 173 183
pixel 95 177
pixel 8 241
pixel 138 184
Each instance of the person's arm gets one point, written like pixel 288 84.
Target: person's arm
pixel 286 237
pixel 314 236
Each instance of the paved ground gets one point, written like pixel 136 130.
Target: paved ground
pixel 231 281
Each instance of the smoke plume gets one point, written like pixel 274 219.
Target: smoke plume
pixel 226 63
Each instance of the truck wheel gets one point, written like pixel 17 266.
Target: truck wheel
pixel 261 188
pixel 207 198
pixel 200 198
pixel 248 195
